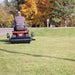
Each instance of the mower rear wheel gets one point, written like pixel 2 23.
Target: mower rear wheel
pixel 8 36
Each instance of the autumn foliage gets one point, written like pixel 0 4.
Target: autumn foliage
pixel 37 12
pixel 5 19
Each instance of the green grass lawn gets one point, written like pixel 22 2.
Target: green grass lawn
pixel 52 53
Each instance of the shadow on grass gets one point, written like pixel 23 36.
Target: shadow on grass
pixel 5 41
pixel 38 55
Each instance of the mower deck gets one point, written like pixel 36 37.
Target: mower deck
pixel 20 39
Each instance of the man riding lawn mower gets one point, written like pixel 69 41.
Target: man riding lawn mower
pixel 20 33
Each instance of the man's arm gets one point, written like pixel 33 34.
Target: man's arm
pixel 14 21
pixel 24 21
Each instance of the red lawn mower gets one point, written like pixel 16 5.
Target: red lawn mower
pixel 20 36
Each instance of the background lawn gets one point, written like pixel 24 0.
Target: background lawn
pixel 53 53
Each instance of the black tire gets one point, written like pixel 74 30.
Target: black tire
pixel 8 36
pixel 32 34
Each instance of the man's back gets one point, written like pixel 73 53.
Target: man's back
pixel 19 20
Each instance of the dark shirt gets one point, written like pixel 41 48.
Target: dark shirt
pixel 19 20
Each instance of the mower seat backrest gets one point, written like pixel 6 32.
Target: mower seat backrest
pixel 19 28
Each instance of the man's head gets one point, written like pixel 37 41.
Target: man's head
pixel 19 13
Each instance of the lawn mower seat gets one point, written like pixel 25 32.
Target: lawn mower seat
pixel 20 28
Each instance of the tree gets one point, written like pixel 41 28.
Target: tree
pixel 37 12
pixel 7 3
pixel 17 3
pixel 64 8
pixel 6 19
